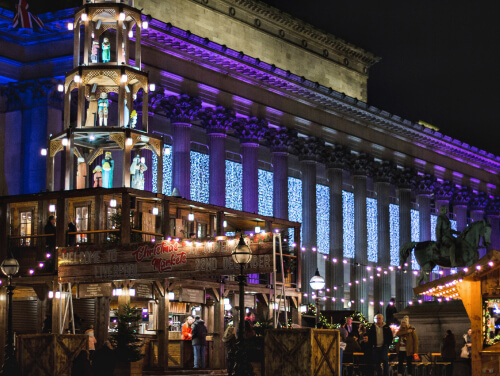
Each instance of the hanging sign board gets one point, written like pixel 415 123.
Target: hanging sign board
pixel 248 298
pixel 94 290
pixel 143 290
pixel 192 296
pixel 163 260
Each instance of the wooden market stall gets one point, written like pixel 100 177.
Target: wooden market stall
pixel 478 286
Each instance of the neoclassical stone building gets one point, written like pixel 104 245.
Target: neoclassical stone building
pixel 263 113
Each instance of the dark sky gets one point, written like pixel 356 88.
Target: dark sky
pixel 439 58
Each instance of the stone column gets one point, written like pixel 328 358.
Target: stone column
pixel 280 142
pixel 477 209
pixel 383 175
pixel 359 289
pixel 250 133
pixel 182 111
pixel 424 188
pixel 337 160
pixel 217 168
pixel 493 216
pixel 310 152
pixel 404 285
pixel 216 122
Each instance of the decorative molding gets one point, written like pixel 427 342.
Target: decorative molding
pixel 384 172
pixel 462 196
pixel 55 147
pixel 310 149
pixel 478 201
pixel 119 138
pixel 251 130
pixel 216 120
pixel 362 164
pixel 426 184
pixel 282 140
pixel 338 156
pixel 94 153
pixel 444 191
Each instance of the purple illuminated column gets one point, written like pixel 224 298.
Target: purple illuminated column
pixel 217 168
pixel 336 161
pixel 477 212
pixel 250 177
pixel 181 146
pixel 310 152
pixel 280 185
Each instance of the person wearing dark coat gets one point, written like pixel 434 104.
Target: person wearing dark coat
pixel 104 360
pixel 81 365
pixel 229 341
pixel 71 228
pixel 351 347
pixel 448 351
pixel 199 340
pixel 367 360
pixel 380 338
pixel 50 229
pixel 390 311
pixel 352 329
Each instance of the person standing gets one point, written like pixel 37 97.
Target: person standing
pixel 71 228
pixel 199 340
pixel 352 329
pixel 380 338
pixel 468 343
pixel 406 347
pixel 186 328
pixel 367 360
pixel 448 351
pixel 92 342
pixel 229 341
pixel 390 311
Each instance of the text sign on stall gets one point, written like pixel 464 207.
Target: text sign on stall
pixel 94 290
pixel 143 290
pixel 165 259
pixel 192 296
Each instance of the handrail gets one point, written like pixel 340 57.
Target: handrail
pixel 92 232
pixel 30 236
pixel 146 232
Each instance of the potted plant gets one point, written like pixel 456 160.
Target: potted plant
pixel 126 343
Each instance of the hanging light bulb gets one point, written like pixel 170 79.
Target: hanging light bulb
pixel 60 88
pixel 191 217
pixel 257 228
pixel 112 203
pixel 124 78
pixel 70 26
pixel 131 291
pixel 155 211
pixel 84 17
pixel 130 34
pixel 121 17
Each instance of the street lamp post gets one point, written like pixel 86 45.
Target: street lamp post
pixel 317 283
pixel 10 267
pixel 242 255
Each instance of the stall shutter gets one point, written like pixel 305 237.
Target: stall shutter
pixel 84 310
pixel 25 316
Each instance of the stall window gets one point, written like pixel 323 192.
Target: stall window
pixel 201 230
pixel 25 226
pixel 82 222
pixel 110 213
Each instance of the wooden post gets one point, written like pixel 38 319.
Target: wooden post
pixel 87 42
pixel 99 217
pixel 165 218
pixel 121 104
pixel 125 225
pixel 218 331
pixel 3 321
pixel 81 106
pixel 49 182
pixel 145 114
pixel 4 230
pixel 137 56
pixel 101 320
pixel 162 330
pixel 219 225
pixel 69 175
pixel 127 151
pixel 61 224
pixel 67 110
pixel 297 253
pixel 159 171
pixel 470 293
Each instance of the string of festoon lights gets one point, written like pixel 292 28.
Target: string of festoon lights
pixel 447 291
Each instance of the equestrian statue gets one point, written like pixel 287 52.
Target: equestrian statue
pixel 448 251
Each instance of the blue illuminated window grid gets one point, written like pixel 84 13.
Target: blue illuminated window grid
pixel 371 224
pixel 415 235
pixel 348 223
pixel 167 170
pixel 433 227
pixel 234 185
pixel 265 193
pixel 323 218
pixel 294 204
pixel 200 177
pixel 394 233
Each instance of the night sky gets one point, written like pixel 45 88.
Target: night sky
pixel 438 58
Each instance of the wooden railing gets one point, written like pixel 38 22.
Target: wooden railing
pixel 148 236
pixel 92 237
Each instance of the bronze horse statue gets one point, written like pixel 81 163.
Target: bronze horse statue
pixel 428 254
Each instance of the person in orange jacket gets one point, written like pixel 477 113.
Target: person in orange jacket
pixel 186 328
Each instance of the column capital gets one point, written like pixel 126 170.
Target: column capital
pixel 405 178
pixel 32 93
pixel 426 184
pixel 493 208
pixel 444 191
pixel 362 164
pixel 251 130
pixel 337 156
pixel 310 148
pixel 282 140
pixel 216 120
pixel 462 196
pixel 478 201
pixel 384 172
pixel 182 109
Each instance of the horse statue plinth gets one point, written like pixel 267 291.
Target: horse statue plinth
pixel 429 255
